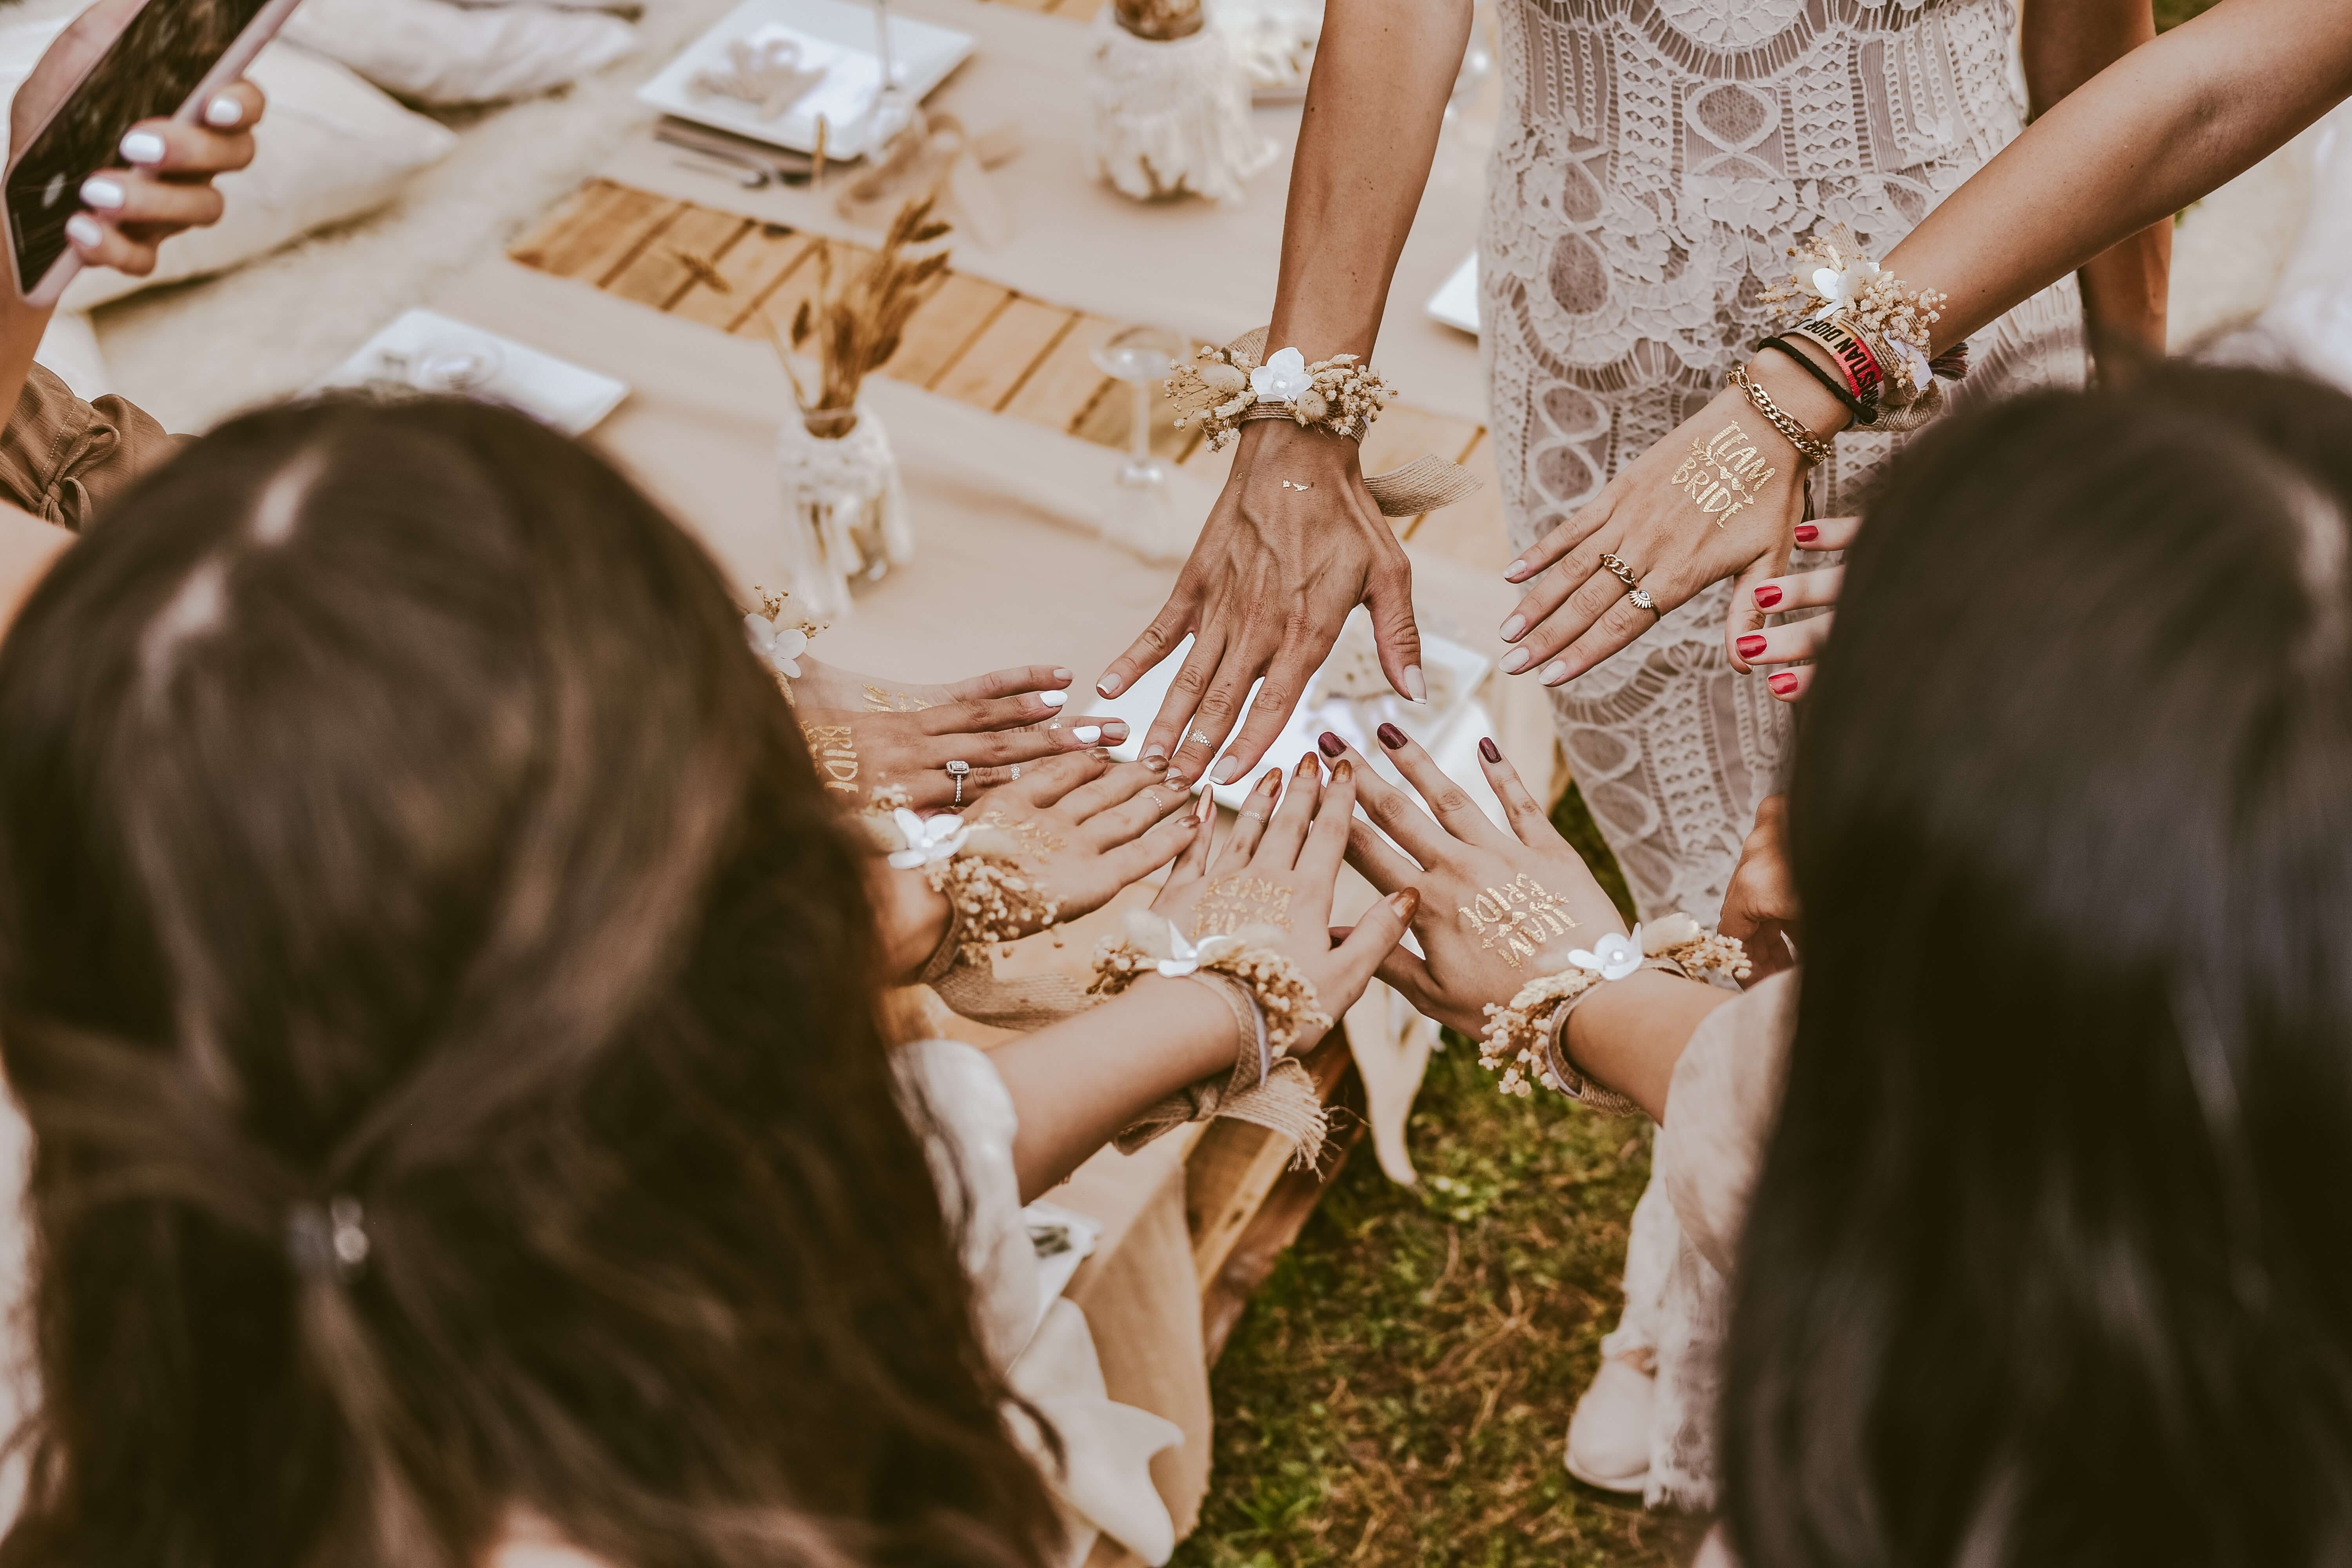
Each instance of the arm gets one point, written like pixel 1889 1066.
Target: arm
pixel 27 545
pixel 1276 570
pixel 2065 43
pixel 2160 127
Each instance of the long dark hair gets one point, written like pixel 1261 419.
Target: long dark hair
pixel 2049 1262
pixel 448 1015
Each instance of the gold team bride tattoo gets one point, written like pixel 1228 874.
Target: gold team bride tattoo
pixel 1233 903
pixel 1517 918
pixel 1723 474
pixel 837 759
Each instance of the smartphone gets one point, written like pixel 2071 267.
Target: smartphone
pixel 170 59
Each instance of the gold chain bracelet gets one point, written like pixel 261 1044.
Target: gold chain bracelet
pixel 1809 447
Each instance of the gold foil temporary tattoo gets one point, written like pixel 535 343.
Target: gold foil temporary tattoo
pixel 1241 900
pixel 1723 474
pixel 1035 837
pixel 1517 918
pixel 881 699
pixel 836 758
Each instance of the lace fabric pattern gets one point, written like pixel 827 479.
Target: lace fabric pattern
pixel 1657 158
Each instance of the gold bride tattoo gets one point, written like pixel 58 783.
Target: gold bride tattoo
pixel 837 759
pixel 1234 903
pixel 1032 836
pixel 1723 474
pixel 1517 918
pixel 880 700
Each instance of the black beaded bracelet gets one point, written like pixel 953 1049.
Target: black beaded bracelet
pixel 1835 388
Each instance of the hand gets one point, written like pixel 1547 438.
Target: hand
pixel 1800 642
pixel 1653 517
pixel 1084 827
pixel 1277 868
pixel 158 197
pixel 993 723
pixel 1269 584
pixel 1497 908
pixel 1759 907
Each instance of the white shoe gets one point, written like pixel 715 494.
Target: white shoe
pixel 1609 1436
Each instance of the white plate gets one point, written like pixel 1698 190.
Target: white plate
pixel 426 352
pixel 836 34
pixel 1456 303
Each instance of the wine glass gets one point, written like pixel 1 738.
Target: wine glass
pixel 1143 505
pixel 892 113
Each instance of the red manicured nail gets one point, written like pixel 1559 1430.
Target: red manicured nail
pixel 1332 745
pixel 1749 645
pixel 1807 533
pixel 1491 751
pixel 1783 684
pixel 1767 596
pixel 1391 737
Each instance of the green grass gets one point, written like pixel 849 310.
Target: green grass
pixel 1399 1392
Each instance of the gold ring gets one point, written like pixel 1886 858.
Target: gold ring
pixel 1624 574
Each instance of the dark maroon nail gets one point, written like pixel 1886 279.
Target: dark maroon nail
pixel 1783 684
pixel 1807 533
pixel 1749 645
pixel 1767 596
pixel 1332 745
pixel 1391 737
pixel 1491 751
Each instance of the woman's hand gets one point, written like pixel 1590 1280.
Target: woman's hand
pixel 1084 827
pixel 993 724
pixel 1278 870
pixel 1796 643
pixel 1294 544
pixel 164 184
pixel 1719 497
pixel 1759 907
pixel 1498 907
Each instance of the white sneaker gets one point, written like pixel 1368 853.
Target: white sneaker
pixel 1609 1436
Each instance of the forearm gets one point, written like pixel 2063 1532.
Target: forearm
pixel 1629 1034
pixel 1383 70
pixel 1078 1083
pixel 2064 44
pixel 27 545
pixel 21 327
pixel 2157 130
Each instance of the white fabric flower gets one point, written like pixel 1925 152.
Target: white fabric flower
pixel 1915 363
pixel 780 646
pixel 1613 957
pixel 937 838
pixel 1185 957
pixel 1282 377
pixel 1842 286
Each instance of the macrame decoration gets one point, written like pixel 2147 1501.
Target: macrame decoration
pixel 1170 115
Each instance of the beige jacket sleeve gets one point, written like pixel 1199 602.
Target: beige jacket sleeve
pixel 1720 1107
pixel 62 459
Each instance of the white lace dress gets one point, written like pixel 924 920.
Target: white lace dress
pixel 1656 158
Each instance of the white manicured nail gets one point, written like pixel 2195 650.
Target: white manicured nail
pixel 1515 571
pixel 1052 699
pixel 84 229
pixel 1107 686
pixel 1513 628
pixel 1554 673
pixel 103 195
pixel 1414 686
pixel 1515 661
pixel 1222 773
pixel 143 147
pixel 1087 734
pixel 224 113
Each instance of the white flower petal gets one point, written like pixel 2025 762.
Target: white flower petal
pixel 1177 968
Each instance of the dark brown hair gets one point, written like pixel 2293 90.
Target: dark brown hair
pixel 2050 1260
pixel 400 846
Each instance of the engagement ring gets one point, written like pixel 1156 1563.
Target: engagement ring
pixel 956 771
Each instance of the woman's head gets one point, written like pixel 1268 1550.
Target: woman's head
pixel 2051 1260
pixel 399 848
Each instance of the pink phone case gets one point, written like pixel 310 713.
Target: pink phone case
pixel 231 66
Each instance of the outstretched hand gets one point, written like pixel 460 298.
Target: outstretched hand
pixel 1498 908
pixel 1294 544
pixel 1083 827
pixel 866 739
pixel 1716 498
pixel 1797 643
pixel 1276 871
